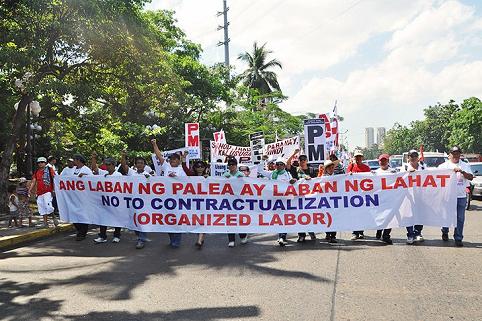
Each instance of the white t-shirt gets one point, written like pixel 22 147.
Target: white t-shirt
pixel 67 171
pixel 134 172
pixel 167 169
pixel 105 173
pixel 82 170
pixel 11 204
pixel 408 167
pixel 462 183
pixel 380 171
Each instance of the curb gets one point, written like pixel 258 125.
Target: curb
pixel 14 240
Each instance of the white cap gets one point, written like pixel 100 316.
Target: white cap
pixel 358 153
pixel 280 160
pixel 41 159
pixel 22 180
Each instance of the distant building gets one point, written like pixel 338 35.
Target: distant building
pixel 381 133
pixel 369 137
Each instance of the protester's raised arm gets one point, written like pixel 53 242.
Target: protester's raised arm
pixel 290 159
pixel 157 151
pixel 93 161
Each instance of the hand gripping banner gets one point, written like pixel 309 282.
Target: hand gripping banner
pixel 248 205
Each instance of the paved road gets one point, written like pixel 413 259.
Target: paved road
pixel 60 279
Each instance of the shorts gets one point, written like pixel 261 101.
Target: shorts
pixel 14 214
pixel 44 203
pixel 24 209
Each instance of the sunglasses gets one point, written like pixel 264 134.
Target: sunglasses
pixel 279 164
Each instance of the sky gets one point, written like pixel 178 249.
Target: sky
pixel 382 61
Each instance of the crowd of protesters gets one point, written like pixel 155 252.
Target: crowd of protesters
pixel 290 170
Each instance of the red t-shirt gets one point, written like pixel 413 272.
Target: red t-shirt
pixel 355 168
pixel 41 187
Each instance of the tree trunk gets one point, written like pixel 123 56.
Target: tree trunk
pixel 18 122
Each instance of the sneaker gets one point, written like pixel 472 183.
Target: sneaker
pixel 410 240
pixel 281 242
pixel 301 239
pixel 100 240
pixel 419 238
pixel 244 240
pixel 354 237
pixel 56 222
pixel 231 244
pixel 379 234
pixel 140 245
pixel 115 240
pixel 387 241
pixel 313 236
pixel 361 236
pixel 445 237
pixel 459 243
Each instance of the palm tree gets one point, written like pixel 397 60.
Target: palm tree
pixel 257 75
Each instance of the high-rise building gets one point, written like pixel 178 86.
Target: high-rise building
pixel 369 137
pixel 381 133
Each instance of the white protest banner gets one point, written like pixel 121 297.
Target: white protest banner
pixel 218 169
pixel 192 140
pixel 246 205
pixel 283 148
pixel 219 152
pixel 220 137
pixel 166 154
pixel 257 145
pixel 315 140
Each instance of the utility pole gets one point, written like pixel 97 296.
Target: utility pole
pixel 226 36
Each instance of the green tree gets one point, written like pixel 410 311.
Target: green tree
pixel 258 75
pixel 466 126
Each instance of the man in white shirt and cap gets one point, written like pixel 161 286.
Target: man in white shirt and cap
pixel 464 175
pixel 414 233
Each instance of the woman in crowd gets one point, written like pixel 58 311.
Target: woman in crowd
pixel 199 168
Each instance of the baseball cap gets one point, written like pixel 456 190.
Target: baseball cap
pixel 280 160
pixel 455 149
pixel 41 159
pixel 412 152
pixel 22 180
pixel 383 156
pixel 70 159
pixel 358 154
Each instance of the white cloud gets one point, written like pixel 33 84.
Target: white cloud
pixel 428 57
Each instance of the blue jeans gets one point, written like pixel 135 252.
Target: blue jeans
pixel 459 230
pixel 141 236
pixel 175 239
pixel 415 230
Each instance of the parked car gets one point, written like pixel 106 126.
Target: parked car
pixel 372 163
pixel 396 162
pixel 477 181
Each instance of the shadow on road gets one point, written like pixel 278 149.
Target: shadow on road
pixel 14 303
pixel 204 314
pixel 124 268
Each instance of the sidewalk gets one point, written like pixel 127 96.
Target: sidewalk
pixel 13 236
